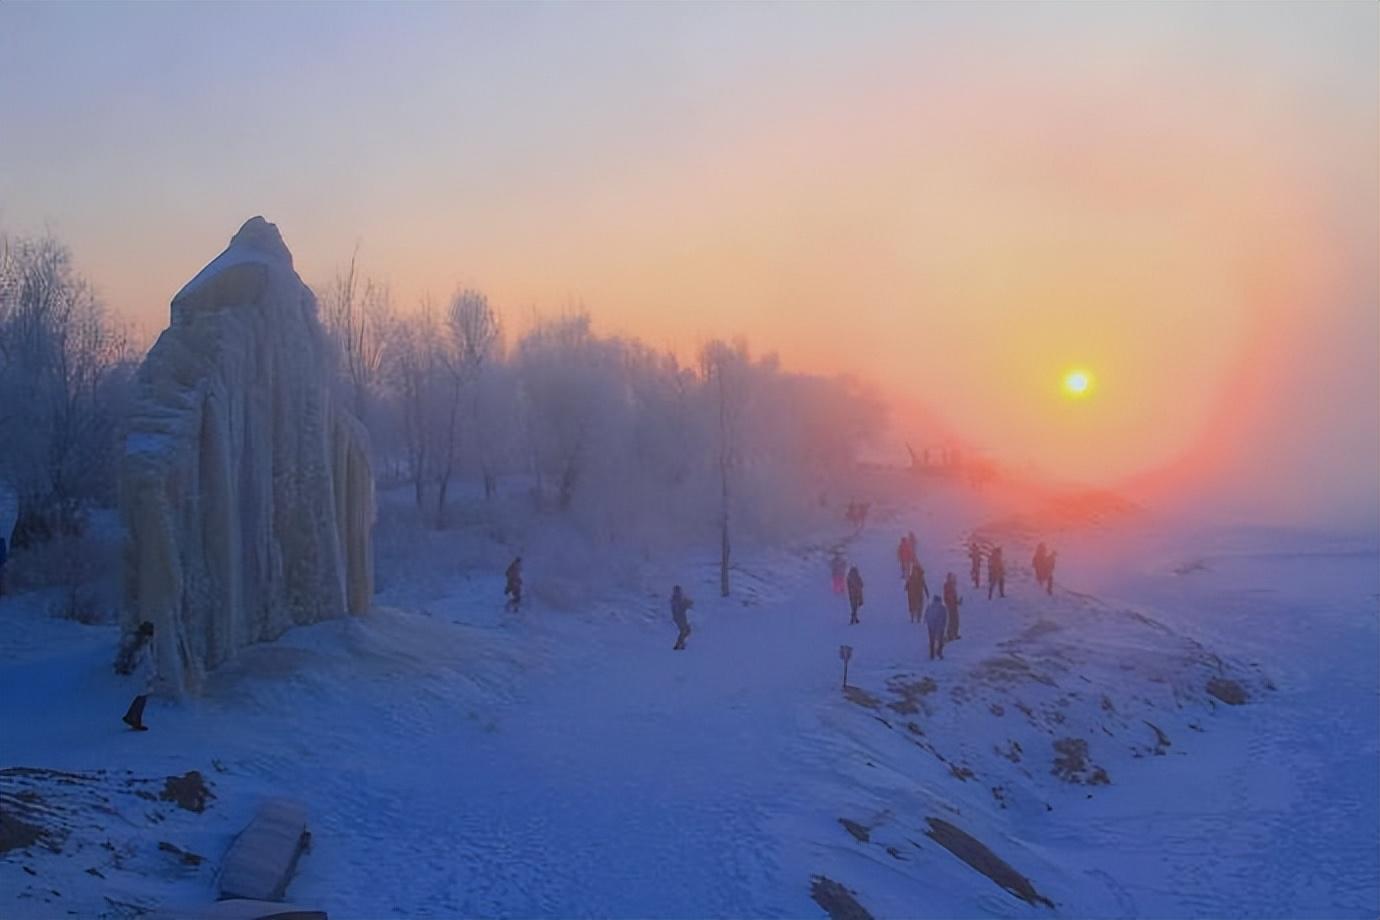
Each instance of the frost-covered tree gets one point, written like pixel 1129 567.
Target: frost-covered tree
pixel 358 314
pixel 410 369
pixel 572 398
pixel 64 373
pixel 470 338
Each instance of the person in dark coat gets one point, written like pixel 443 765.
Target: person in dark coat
pixel 680 608
pixel 135 659
pixel 1049 572
pixel 951 603
pixel 996 573
pixel 936 620
pixel 975 558
pixel 855 592
pixel 513 589
pixel 1040 563
pixel 916 593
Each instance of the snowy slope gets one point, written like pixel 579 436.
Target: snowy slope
pixel 459 762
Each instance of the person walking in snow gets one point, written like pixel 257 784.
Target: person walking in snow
pixel 916 593
pixel 1049 572
pixel 975 559
pixel 936 620
pixel 951 603
pixel 996 573
pixel 680 608
pixel 1040 563
pixel 855 593
pixel 838 570
pixel 513 589
pixel 135 659
pixel 905 555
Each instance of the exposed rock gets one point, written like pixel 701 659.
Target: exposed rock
pixel 1072 765
pixel 1228 691
pixel 189 791
pixel 187 857
pixel 838 902
pixel 860 833
pixel 16 834
pixel 976 854
pixel 861 697
pixel 1162 742
pixel 245 488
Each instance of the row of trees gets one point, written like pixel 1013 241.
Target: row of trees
pixel 65 372
pixel 629 443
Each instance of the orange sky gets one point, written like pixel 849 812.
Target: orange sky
pixel 956 202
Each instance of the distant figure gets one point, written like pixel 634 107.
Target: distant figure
pixel 855 592
pixel 916 592
pixel 135 659
pixel 905 554
pixel 4 555
pixel 996 573
pixel 857 513
pixel 936 617
pixel 951 603
pixel 1049 572
pixel 680 607
pixel 838 570
pixel 1039 563
pixel 513 589
pixel 975 559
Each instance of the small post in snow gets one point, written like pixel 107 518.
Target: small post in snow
pixel 846 653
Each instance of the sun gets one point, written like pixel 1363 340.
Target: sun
pixel 1078 383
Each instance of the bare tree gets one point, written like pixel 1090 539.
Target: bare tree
pixel 358 315
pixel 411 369
pixel 470 337
pixel 725 370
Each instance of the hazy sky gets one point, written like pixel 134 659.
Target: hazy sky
pixel 956 201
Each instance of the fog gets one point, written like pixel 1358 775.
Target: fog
pixel 951 206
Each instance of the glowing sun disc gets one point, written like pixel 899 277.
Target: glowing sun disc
pixel 1077 383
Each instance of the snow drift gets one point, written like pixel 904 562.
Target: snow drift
pixel 245 487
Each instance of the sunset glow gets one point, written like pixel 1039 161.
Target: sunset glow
pixel 910 194
pixel 1077 384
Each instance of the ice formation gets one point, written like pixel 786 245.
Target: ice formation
pixel 245 485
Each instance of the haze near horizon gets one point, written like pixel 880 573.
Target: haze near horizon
pixel 961 204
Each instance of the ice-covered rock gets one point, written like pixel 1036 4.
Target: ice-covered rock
pixel 245 486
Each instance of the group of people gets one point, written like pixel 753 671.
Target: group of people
pixel 941 615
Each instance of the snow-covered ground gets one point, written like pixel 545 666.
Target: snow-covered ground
pixel 459 761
